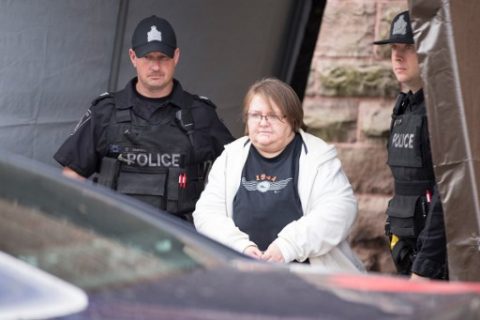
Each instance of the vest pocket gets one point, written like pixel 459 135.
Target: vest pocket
pixel 137 183
pixel 404 216
pixel 184 188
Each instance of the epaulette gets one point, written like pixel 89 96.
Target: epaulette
pixel 101 97
pixel 205 100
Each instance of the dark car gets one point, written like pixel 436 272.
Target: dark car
pixel 29 293
pixel 134 262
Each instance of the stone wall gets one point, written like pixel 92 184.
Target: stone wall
pixel 348 102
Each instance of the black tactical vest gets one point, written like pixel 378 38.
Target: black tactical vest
pixel 153 162
pixel 410 161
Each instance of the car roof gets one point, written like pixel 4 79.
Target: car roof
pixel 35 184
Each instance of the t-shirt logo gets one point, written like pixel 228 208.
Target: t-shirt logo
pixel 154 34
pixel 265 185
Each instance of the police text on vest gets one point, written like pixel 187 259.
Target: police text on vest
pixel 403 140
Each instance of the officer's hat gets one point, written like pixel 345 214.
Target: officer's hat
pixel 154 34
pixel 400 31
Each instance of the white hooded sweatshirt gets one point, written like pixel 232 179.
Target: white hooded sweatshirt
pixel 327 199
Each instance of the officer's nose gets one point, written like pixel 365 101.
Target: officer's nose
pixel 155 65
pixel 397 56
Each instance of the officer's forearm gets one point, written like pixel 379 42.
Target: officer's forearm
pixel 416 277
pixel 72 174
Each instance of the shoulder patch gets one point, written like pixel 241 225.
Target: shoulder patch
pixel 205 100
pixel 86 117
pixel 101 97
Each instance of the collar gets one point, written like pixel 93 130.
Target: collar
pixel 178 96
pixel 127 98
pixel 415 98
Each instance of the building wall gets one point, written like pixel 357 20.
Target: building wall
pixel 348 102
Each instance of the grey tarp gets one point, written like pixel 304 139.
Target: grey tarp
pixel 446 33
pixel 58 55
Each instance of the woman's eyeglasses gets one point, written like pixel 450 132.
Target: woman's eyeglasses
pixel 271 118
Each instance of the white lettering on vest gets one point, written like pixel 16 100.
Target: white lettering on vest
pixel 151 160
pixel 142 159
pixel 130 158
pixel 403 140
pixel 176 160
pixel 166 160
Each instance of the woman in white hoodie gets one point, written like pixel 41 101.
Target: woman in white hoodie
pixel 279 194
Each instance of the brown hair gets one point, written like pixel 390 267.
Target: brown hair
pixel 282 95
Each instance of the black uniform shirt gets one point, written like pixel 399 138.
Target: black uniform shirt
pixel 431 259
pixel 87 145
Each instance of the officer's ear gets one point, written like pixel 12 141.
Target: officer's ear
pixel 176 55
pixel 133 57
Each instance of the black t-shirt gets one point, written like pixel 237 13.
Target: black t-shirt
pixel 268 199
pixel 154 102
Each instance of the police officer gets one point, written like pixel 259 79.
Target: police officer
pixel 152 140
pixel 415 225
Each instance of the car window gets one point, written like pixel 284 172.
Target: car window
pixel 93 253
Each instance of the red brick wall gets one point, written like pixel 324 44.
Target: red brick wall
pixel 348 103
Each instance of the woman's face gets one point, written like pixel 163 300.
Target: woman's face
pixel 268 129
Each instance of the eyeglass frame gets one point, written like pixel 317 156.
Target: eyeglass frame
pixel 270 118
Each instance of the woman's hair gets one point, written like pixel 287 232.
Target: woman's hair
pixel 282 95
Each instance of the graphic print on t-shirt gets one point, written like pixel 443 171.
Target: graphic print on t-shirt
pixel 265 184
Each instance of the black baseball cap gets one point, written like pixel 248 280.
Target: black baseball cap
pixel 400 31
pixel 154 34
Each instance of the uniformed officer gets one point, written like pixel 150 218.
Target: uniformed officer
pixel 152 140
pixel 415 225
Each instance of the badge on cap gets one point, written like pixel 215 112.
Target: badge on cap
pixel 400 26
pixel 154 34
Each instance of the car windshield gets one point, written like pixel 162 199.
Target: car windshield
pixel 107 252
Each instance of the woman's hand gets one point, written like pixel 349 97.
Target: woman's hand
pixel 253 252
pixel 273 254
